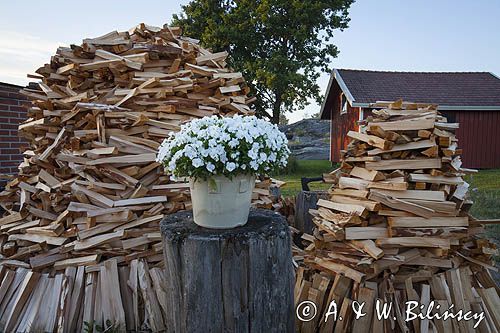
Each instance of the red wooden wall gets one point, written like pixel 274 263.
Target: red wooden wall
pixel 479 137
pixel 339 126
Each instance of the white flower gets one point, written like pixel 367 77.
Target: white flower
pixel 254 165
pixel 197 162
pixel 230 166
pixel 233 143
pixel 238 143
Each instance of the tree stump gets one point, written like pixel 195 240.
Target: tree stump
pixel 306 200
pixel 229 280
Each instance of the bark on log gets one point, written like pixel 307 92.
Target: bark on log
pixel 230 280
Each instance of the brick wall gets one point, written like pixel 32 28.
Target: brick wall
pixel 12 112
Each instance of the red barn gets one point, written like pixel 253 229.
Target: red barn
pixel 469 98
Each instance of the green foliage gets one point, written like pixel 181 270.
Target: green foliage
pixel 88 327
pixel 290 168
pixel 109 327
pixel 283 119
pixel 280 46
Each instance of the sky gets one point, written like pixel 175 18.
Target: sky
pixel 393 35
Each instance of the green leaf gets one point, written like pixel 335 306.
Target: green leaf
pixel 212 184
pixel 280 46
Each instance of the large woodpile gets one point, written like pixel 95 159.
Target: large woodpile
pixel 396 228
pixel 80 234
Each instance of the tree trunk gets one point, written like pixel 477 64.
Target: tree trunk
pixel 277 108
pixel 228 280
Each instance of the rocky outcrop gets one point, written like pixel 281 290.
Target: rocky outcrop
pixel 308 139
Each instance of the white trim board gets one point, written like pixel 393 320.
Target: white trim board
pixel 443 107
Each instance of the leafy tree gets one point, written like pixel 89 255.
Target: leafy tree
pixel 315 115
pixel 280 46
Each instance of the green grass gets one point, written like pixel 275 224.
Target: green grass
pixel 309 168
pixel 485 192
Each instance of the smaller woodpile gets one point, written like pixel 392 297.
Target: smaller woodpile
pixel 80 233
pixel 396 228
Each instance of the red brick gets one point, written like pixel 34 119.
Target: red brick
pixel 9 126
pixel 4 133
pixel 17 95
pixel 8 101
pixel 10 163
pixel 9 89
pixel 9 114
pixel 15 120
pixel 16 144
pixel 9 151
pixel 16 157
pixel 17 108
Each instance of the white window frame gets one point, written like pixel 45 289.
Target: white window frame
pixel 343 106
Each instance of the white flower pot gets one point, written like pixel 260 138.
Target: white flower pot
pixel 224 206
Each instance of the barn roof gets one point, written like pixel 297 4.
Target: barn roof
pixel 451 90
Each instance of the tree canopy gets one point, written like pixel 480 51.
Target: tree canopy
pixel 280 46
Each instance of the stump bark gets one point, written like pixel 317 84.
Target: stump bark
pixel 229 280
pixel 306 200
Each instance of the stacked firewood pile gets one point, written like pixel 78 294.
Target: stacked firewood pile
pixel 395 229
pixel 80 229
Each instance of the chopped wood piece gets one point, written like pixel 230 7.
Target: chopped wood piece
pixel 401 204
pixel 365 233
pixel 415 242
pixel 139 201
pixel 406 146
pixel 98 240
pixel 371 140
pixel 341 269
pixel 419 222
pixel 78 261
pixel 423 178
pixel 346 208
pixel 415 194
pixel 365 174
pixel 405 164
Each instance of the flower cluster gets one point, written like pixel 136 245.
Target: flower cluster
pixel 224 146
